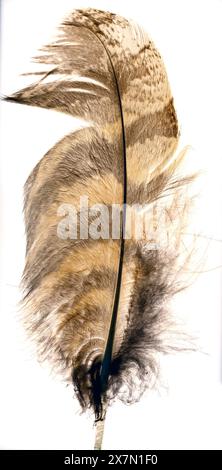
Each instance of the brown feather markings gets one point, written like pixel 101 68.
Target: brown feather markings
pixel 105 70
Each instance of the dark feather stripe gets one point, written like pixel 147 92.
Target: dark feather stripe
pixel 98 278
pixel 162 123
pixel 159 188
pixel 103 278
pixel 49 256
pixel 147 193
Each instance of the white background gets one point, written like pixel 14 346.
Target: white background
pixel 37 411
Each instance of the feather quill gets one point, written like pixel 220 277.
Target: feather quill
pixel 96 306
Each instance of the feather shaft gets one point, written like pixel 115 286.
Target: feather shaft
pixel 99 433
pixel 107 357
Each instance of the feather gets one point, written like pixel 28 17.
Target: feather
pixel 96 303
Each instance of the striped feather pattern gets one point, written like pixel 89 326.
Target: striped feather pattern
pixel 106 70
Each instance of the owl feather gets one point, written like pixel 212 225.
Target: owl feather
pixel 97 305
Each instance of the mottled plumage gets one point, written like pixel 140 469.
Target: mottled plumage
pixel 106 70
